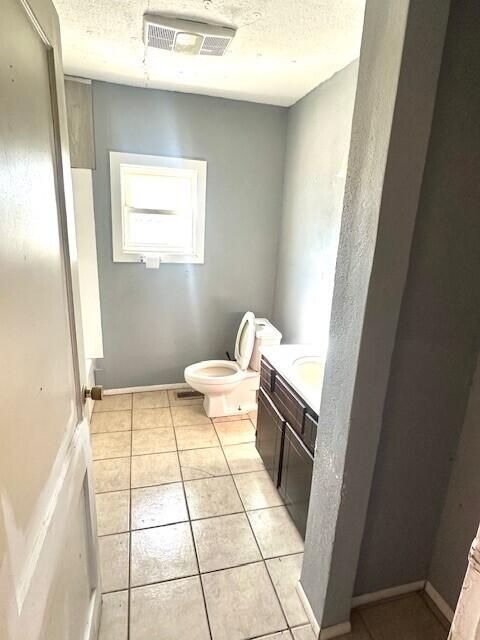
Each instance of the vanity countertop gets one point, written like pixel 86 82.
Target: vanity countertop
pixel 282 357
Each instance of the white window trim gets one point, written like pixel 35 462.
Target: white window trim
pixel 200 166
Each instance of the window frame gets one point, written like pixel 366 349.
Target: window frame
pixel 119 159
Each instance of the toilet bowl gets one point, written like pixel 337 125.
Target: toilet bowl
pixel 230 386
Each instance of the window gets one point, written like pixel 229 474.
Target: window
pixel 158 208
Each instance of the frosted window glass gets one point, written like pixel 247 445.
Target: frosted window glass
pixel 149 191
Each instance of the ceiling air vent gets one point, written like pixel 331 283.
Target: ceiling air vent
pixel 186 36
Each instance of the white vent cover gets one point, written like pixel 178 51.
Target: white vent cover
pixel 186 36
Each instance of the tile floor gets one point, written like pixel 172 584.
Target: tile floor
pixel 189 523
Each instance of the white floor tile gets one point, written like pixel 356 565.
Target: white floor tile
pixel 162 553
pixel 241 603
pixel 113 551
pixel 169 611
pixel 266 524
pixel 212 497
pixel 157 506
pixel 113 512
pixel 114 617
pixel 225 541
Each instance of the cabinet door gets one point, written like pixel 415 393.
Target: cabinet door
pixel 289 404
pixel 270 425
pixel 296 478
pixel 310 431
pixel 267 377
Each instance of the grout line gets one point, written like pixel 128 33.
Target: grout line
pixel 271 633
pixel 194 575
pixel 257 542
pixel 266 569
pixel 130 527
pixel 367 627
pixel 105 433
pixel 222 515
pixel 161 484
pixel 191 534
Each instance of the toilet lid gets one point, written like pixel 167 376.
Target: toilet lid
pixel 245 340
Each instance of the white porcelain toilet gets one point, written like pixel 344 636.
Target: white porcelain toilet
pixel 230 386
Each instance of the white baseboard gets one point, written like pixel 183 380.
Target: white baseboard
pixel 152 387
pixel 335 631
pixel 444 607
pixel 384 594
pixel 329 632
pixel 308 609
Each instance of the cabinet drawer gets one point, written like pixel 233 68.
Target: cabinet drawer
pixel 267 376
pixel 289 404
pixel 310 431
pixel 269 436
pixel 296 478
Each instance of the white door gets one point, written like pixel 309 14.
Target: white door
pixel 466 622
pixel 49 582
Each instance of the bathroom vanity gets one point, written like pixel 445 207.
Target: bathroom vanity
pixel 288 406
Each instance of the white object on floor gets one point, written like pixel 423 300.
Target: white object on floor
pixel 230 387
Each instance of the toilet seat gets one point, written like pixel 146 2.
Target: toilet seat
pixel 227 372
pixel 216 372
pixel 245 340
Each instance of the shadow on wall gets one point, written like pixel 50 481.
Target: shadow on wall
pixel 318 140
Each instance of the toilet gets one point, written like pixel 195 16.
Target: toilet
pixel 230 386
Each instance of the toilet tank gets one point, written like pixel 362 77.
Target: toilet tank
pixel 266 335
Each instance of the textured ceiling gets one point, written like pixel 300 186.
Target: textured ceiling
pixel 282 50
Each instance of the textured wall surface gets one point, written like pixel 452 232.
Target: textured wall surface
pixel 318 139
pixel 156 322
pixel 438 334
pixel 461 512
pixel 399 65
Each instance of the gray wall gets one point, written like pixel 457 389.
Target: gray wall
pixel 318 139
pixel 461 512
pixel 437 339
pixel 399 66
pixel 155 322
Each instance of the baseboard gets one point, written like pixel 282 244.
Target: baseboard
pixel 308 609
pixel 384 594
pixel 335 631
pixel 152 387
pixel 444 607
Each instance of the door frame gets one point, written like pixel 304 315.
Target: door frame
pixel 466 621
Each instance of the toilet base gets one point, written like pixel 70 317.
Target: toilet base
pixel 240 401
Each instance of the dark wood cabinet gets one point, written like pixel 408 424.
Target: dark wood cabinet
pixel 267 377
pixel 289 404
pixel 269 438
pixel 296 478
pixel 310 431
pixel 285 439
